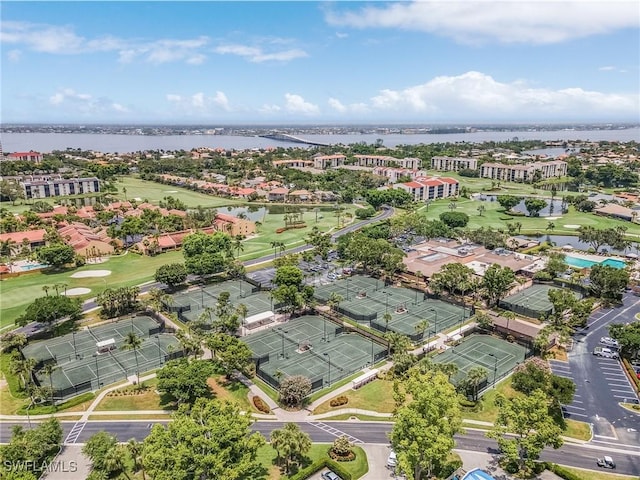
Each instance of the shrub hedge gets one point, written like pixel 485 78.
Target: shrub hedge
pixel 341 400
pixel 260 404
pixel 319 465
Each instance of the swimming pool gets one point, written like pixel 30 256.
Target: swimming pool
pixel 31 266
pixel 584 263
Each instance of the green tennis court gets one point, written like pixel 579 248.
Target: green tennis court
pixel 83 342
pixel 256 303
pixel 532 302
pixel 81 366
pixel 498 357
pixel 314 347
pixel 412 313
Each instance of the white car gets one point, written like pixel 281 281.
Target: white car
pixel 610 342
pixel 605 352
pixel 392 461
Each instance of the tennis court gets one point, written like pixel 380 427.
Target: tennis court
pixel 314 347
pixel 83 342
pixel 80 366
pixel 368 300
pixel 191 304
pixel 498 357
pixel 532 302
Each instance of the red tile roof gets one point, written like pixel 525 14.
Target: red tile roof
pixel 32 236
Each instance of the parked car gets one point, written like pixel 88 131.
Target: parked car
pixel 329 475
pixel 606 462
pixel 605 352
pixel 610 342
pixel 392 461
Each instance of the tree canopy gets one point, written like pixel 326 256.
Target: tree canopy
pixel 608 282
pixel 51 308
pixel 184 380
pixel 30 449
pixel 57 255
pixel 207 254
pixel 172 274
pixel 212 441
pixel 422 435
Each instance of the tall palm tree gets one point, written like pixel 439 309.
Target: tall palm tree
pixel 449 369
pixel 387 318
pixel 133 342
pixel 135 450
pixel 334 301
pixel 46 289
pixel 48 370
pixel 113 460
pixel 475 376
pixel 275 245
pixel 421 327
pixel 237 244
pixel 242 310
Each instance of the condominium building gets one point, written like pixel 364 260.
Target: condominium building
pixel 386 161
pixel 523 173
pixel 394 174
pixel 448 164
pixel 430 188
pixel 30 156
pixel 328 161
pixel 46 187
pixel 293 163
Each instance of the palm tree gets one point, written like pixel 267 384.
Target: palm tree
pixel 135 450
pixel 475 376
pixel 237 244
pixel 334 301
pixel 46 289
pixel 242 310
pixel 23 369
pixel 387 318
pixel 133 342
pixel 275 245
pixel 421 327
pixel 481 209
pixel 113 460
pixel 289 443
pixel 449 369
pixel 48 370
pixel 282 247
pixel 551 226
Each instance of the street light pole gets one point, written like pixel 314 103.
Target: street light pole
pixel 324 338
pixel 435 326
pixel 372 355
pixel 495 368
pixel 75 352
pixel 95 357
pixel 329 362
pixel 282 332
pixel 386 302
pixel 159 351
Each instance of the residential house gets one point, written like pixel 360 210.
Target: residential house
pixel 394 174
pixel 297 196
pixel 293 163
pixel 278 194
pixel 618 211
pixel 86 241
pixel 30 239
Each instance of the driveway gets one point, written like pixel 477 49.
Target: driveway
pixel 601 383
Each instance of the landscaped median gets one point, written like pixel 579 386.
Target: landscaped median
pixel 377 396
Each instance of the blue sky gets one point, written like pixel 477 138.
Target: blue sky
pixel 320 62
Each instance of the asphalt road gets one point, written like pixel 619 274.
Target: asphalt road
pixel 601 383
pixel 627 459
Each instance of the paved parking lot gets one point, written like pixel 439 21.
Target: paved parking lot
pixel 601 383
pixel 317 272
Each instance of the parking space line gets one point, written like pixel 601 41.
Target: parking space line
pixel 622 391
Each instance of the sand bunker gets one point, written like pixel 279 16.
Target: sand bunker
pixel 77 291
pixel 171 191
pixel 553 218
pixel 91 273
pixel 572 226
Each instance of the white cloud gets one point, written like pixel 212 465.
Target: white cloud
pixel 297 104
pixel 258 55
pixel 14 55
pixel 199 103
pixel 342 35
pixel 513 21
pixel 607 68
pixel 84 103
pixel 479 95
pixel 337 105
pixel 269 109
pixel 62 40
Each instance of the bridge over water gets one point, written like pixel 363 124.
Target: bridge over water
pixel 284 137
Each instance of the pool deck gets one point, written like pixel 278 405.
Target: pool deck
pixel 593 258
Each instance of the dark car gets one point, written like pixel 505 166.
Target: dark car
pixel 329 475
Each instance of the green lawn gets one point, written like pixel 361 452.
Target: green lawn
pixel 495 217
pixel 267 457
pixel 129 269
pixel 376 395
pixel 153 192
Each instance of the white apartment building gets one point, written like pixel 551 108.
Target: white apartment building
pixel 394 174
pixel 430 188
pixel 328 161
pixel 293 163
pixel 523 173
pixel 58 187
pixel 386 161
pixel 448 164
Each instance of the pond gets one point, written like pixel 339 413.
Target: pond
pixel 562 240
pixel 554 207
